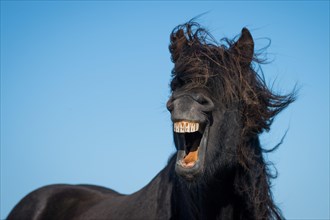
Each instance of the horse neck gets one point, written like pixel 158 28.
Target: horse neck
pixel 173 196
pixel 156 195
pixel 212 200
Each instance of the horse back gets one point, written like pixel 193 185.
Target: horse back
pixel 59 202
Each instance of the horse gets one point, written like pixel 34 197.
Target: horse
pixel 219 106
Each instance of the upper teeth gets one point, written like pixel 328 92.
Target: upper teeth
pixel 185 126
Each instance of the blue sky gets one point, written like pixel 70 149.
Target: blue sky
pixel 84 86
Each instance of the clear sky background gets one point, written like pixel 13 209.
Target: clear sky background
pixel 84 86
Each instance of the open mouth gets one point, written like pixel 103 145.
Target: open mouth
pixel 190 139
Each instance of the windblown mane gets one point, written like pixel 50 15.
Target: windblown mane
pixel 227 71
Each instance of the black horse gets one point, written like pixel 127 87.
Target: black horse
pixel 219 106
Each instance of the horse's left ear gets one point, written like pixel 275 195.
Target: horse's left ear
pixel 244 47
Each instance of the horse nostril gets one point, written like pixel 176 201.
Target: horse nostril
pixel 169 104
pixel 205 101
pixel 201 99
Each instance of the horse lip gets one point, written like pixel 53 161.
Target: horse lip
pixel 190 172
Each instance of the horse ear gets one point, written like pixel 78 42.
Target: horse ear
pixel 178 42
pixel 244 47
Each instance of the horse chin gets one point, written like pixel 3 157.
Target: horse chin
pixel 190 161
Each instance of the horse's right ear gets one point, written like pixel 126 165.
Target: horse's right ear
pixel 178 42
pixel 244 47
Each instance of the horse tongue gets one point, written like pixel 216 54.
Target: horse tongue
pixel 191 158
